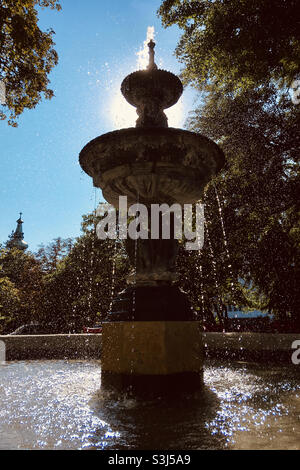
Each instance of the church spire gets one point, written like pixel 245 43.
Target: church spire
pixel 16 239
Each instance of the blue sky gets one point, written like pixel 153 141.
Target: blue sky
pixel 97 42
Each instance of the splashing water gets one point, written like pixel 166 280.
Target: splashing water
pixel 59 405
pixel 122 114
pixel 143 54
pixel 175 113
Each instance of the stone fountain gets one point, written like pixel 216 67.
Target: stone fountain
pixel 151 339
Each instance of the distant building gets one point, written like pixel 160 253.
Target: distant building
pixel 16 239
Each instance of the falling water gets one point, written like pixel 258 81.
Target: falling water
pixel 92 259
pixel 201 289
pixel 135 264
pixel 196 255
pixel 225 240
pixel 134 300
pixel 113 274
pixel 213 263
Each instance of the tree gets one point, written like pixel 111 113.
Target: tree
pixel 27 55
pixel 21 279
pixel 9 304
pixel 236 44
pixel 242 56
pixel 50 255
pixel 259 189
pixel 255 198
pixel 79 291
pixel 65 286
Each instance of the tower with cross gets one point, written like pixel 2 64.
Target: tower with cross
pixel 16 239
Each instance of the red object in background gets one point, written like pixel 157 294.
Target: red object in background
pixel 93 329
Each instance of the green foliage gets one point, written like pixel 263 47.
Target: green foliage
pixel 66 285
pixel 50 256
pixel 236 44
pixel 242 57
pixel 259 190
pixel 21 283
pixel 27 55
pixel 79 291
pixel 9 303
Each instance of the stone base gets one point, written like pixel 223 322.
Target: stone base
pixel 156 357
pixel 152 386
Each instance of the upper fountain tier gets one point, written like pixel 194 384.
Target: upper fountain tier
pixel 151 162
pixel 151 91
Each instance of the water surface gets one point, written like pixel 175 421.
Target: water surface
pixel 60 405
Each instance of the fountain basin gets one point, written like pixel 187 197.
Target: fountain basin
pixel 56 346
pixel 261 347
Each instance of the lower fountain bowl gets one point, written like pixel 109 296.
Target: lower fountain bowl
pixel 160 165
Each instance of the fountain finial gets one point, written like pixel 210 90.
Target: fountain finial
pixel 152 65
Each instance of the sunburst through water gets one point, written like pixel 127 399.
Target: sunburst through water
pixel 124 115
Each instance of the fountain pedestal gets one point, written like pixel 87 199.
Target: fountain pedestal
pixel 151 339
pixel 152 357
